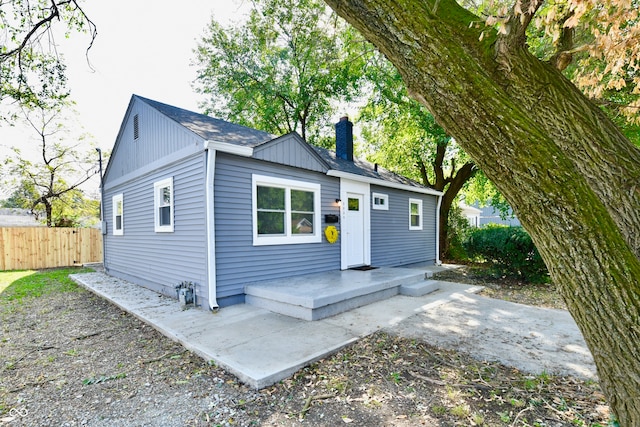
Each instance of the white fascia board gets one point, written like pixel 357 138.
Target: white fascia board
pixel 383 183
pixel 225 147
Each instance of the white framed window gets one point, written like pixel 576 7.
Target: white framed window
pixel 415 214
pixel 285 211
pixel 380 201
pixel 118 214
pixel 163 205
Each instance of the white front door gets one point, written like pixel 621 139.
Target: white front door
pixel 354 229
pixel 354 224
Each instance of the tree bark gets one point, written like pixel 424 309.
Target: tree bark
pixel 450 186
pixel 48 211
pixel 570 175
pixel 455 185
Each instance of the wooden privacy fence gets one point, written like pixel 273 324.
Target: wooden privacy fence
pixel 25 248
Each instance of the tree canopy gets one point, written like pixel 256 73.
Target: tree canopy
pixel 283 70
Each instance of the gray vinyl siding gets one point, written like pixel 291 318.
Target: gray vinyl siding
pixel 290 150
pixel 159 261
pixel 392 243
pixel 238 261
pixel 491 215
pixel 158 138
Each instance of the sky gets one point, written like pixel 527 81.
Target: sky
pixel 142 48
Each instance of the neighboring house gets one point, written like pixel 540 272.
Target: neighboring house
pixel 478 217
pixel 13 217
pixel 471 213
pixel 490 215
pixel 191 198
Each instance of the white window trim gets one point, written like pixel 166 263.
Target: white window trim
pixel 168 182
pixel 288 185
pixel 384 197
pixel 419 203
pixel 118 198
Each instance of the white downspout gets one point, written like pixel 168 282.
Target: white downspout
pixel 211 229
pixel 438 261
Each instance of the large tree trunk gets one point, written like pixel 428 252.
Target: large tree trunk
pixel 572 178
pixel 456 183
pixel 450 186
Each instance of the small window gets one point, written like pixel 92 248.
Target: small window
pixel 353 204
pixel 380 201
pixel 118 215
pixel 163 204
pixel 136 127
pixel 415 214
pixel 285 211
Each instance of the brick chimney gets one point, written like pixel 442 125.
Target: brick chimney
pixel 344 139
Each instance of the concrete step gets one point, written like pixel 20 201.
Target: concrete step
pixel 316 297
pixel 418 289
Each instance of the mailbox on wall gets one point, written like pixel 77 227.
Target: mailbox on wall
pixel 331 219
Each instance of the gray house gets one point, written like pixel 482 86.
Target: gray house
pixel 191 198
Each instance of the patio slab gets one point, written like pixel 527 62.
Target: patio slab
pixel 258 346
pixel 261 347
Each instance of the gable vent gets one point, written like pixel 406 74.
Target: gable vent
pixel 136 127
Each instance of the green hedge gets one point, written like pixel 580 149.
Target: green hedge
pixel 510 249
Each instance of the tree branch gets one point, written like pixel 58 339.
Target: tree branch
pixel 438 171
pixel 562 58
pixel 516 24
pixel 564 45
pixel 423 173
pixel 55 13
pixel 46 23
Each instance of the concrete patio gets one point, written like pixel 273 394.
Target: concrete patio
pixel 257 345
pixel 261 347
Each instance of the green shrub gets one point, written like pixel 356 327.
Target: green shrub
pixel 510 249
pixel 457 232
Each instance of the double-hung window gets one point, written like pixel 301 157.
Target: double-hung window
pixel 285 211
pixel 163 205
pixel 118 214
pixel 415 214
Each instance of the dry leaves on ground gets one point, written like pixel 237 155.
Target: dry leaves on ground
pixel 73 359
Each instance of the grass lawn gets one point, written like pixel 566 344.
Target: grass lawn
pixel 16 285
pixel 8 277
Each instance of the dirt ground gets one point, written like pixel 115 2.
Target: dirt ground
pixel 72 359
pixel 506 288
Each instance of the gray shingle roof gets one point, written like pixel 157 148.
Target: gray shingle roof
pixel 363 168
pixel 212 129
pixel 209 128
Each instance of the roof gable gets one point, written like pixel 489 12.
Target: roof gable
pixel 291 150
pixel 153 133
pixel 148 137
